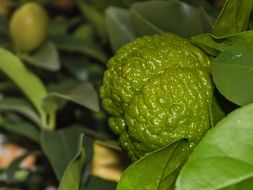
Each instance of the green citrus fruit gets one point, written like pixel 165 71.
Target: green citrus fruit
pixel 158 90
pixel 29 27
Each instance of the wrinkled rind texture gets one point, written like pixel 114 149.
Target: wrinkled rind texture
pixel 157 89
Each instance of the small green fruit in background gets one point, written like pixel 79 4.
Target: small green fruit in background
pixel 29 27
pixel 158 89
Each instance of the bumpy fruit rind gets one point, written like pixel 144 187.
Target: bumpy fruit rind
pixel 158 89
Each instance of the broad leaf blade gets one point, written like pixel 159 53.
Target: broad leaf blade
pixel 157 170
pixel 155 17
pixel 233 75
pixel 83 94
pixel 61 147
pixel 46 57
pixel 72 176
pixel 224 157
pixel 233 18
pixel 95 182
pixel 216 112
pixel 213 45
pixel 28 82
pixel 244 185
pixel 119 27
pixel 79 45
pixel 96 18
pixel 24 129
pixel 20 106
pixel 210 45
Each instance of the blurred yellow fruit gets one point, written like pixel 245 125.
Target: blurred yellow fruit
pixel 29 27
pixel 107 163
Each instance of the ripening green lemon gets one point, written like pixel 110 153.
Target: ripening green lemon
pixel 29 27
pixel 158 89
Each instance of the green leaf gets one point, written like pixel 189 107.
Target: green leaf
pixel 209 44
pixel 155 17
pixel 244 185
pixel 79 45
pixel 24 129
pixel 28 82
pixel 95 182
pixel 223 158
pixel 78 66
pixel 46 57
pixel 60 25
pixel 233 75
pixel 84 94
pixel 72 176
pixel 233 18
pixel 119 27
pixel 158 170
pixel 88 147
pixel 85 31
pixel 208 6
pixel 216 112
pixel 84 69
pixel 214 46
pixel 20 106
pixel 206 20
pixel 63 86
pixel 96 18
pixel 61 148
pixel 101 5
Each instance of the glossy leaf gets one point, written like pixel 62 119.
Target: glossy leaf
pixel 96 18
pixel 233 18
pixel 78 66
pixel 79 45
pixel 216 112
pixel 157 170
pixel 155 17
pixel 63 86
pixel 244 185
pixel 60 25
pixel 119 27
pixel 233 75
pixel 101 5
pixel 224 157
pixel 88 147
pixel 24 129
pixel 214 46
pixel 28 82
pixel 20 106
pixel 85 31
pixel 210 45
pixel 208 6
pixel 95 182
pixel 83 94
pixel 207 21
pixel 72 176
pixel 61 148
pixel 46 57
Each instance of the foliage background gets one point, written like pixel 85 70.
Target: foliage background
pixel 83 35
